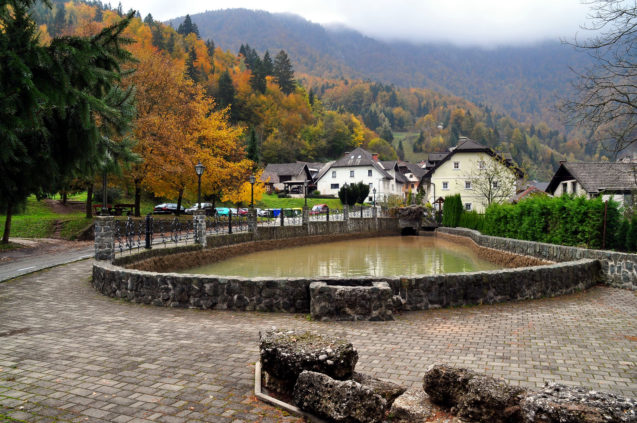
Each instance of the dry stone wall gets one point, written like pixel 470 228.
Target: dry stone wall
pixel 618 269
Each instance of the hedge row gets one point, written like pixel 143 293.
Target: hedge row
pixel 563 220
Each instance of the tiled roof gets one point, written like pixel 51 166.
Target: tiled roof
pixel 361 157
pixel 596 177
pixel 275 170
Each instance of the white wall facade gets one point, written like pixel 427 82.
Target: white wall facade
pixel 452 176
pixel 334 179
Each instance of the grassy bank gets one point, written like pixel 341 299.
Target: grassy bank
pixel 274 202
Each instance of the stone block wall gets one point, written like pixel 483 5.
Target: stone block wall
pixel 104 238
pixel 618 269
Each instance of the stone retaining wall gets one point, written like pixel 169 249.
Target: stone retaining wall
pixel 618 269
pixel 293 294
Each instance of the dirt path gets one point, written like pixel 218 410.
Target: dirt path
pixel 56 206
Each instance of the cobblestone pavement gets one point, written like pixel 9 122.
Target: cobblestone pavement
pixel 69 354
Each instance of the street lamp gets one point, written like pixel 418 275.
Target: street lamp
pixel 305 192
pixel 199 168
pixel 374 191
pixel 252 181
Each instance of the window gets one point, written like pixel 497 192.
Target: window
pixel 371 185
pixel 495 184
pixel 445 185
pixel 564 187
pixel 574 187
pixel 334 186
pixel 456 165
pixel 333 174
pixel 467 206
pixel 351 173
pixel 369 172
pixel 481 164
pixel 467 184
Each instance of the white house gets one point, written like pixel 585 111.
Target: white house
pixel 472 170
pixel 616 180
pixel 362 166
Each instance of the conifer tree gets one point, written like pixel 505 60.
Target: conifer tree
pixel 226 90
pixel 284 73
pixel 188 27
pixel 267 65
pixel 253 147
pixel 52 98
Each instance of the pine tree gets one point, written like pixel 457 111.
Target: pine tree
pixel 148 20
pixel 210 45
pixel 226 90
pixel 188 27
pixel 53 97
pixel 284 73
pixel 253 146
pixel 191 70
pixel 99 16
pixel 267 65
pixel 310 97
pixel 400 151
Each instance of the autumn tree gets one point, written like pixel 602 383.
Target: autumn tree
pixel 606 92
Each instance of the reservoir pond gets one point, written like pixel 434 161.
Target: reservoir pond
pixel 382 256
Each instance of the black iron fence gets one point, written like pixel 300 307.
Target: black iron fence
pixel 133 234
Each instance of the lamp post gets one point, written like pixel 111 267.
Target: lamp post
pixel 199 168
pixel 374 191
pixel 305 192
pixel 104 211
pixel 252 181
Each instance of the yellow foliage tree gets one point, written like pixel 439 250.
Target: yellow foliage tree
pixel 243 194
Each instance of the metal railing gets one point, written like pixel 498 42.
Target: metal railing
pixel 280 217
pixel 226 224
pixel 135 234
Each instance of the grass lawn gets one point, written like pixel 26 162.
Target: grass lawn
pixel 39 221
pixel 273 202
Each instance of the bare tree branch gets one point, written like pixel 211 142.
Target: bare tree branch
pixel 606 99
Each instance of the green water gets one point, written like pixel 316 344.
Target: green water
pixel 385 256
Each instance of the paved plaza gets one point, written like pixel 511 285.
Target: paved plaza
pixel 68 353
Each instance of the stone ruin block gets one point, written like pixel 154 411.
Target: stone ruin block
pixel 361 300
pixel 339 401
pixel 557 403
pixel 411 407
pixel 477 397
pixel 285 354
pixel 473 396
pixel 389 391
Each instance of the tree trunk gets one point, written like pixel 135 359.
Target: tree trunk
pixel 64 196
pixel 138 198
pixel 7 223
pixel 181 194
pixel 89 201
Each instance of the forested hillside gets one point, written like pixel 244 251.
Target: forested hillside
pixel 522 81
pixel 272 113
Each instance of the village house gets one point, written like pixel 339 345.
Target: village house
pixel 610 180
pixel 362 166
pixel 290 177
pixel 480 175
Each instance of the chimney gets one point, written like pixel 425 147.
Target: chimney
pixel 562 162
pixel 346 153
pixel 375 156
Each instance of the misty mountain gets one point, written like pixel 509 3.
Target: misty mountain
pixel 524 82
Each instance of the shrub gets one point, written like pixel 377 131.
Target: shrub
pixel 452 210
pixel 562 220
pixel 471 220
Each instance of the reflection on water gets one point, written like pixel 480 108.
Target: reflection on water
pixel 385 256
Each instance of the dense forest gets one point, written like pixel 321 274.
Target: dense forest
pixel 522 81
pixel 279 114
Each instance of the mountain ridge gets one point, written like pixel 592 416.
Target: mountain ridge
pixel 523 81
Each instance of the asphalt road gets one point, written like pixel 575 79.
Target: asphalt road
pixel 33 260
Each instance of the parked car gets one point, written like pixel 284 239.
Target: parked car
pixel 167 208
pixel 222 211
pixel 319 209
pixel 243 212
pixel 207 207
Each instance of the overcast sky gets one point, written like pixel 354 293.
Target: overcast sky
pixel 462 22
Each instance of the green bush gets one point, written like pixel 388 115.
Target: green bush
pixel 452 211
pixel 562 220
